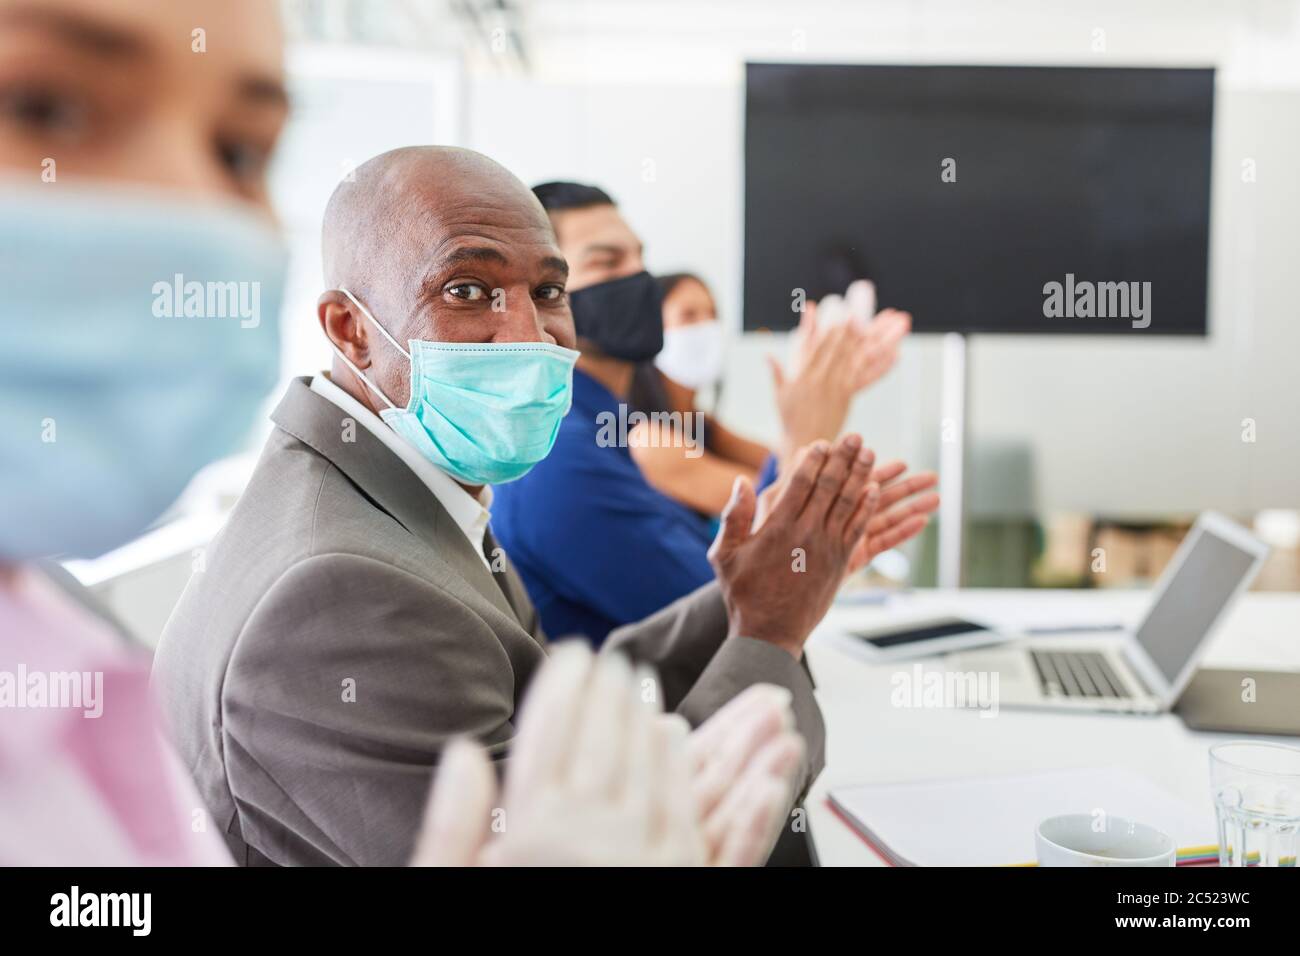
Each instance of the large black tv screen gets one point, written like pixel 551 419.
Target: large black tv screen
pixel 982 199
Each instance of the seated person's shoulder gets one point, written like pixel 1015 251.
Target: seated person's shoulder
pixel 298 504
pixel 298 529
pixel 356 595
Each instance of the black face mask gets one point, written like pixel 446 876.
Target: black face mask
pixel 623 317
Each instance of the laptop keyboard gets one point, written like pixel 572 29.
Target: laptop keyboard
pixel 1077 674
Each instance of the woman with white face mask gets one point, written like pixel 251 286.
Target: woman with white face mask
pixel 836 355
pixel 693 352
pixel 692 362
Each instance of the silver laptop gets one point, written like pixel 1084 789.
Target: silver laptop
pixel 1143 671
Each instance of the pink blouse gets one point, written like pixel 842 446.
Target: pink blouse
pixel 86 778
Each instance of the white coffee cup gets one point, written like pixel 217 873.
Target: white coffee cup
pixel 1083 839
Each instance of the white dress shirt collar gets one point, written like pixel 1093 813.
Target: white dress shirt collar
pixel 470 514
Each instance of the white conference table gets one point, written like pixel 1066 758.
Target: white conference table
pixel 870 741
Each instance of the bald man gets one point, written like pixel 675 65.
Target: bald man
pixel 355 614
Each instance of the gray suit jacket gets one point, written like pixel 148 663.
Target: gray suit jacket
pixel 343 629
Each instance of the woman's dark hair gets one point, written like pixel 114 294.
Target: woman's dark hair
pixel 671 281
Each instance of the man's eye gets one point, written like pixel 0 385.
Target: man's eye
pixel 468 291
pixel 45 111
pixel 551 293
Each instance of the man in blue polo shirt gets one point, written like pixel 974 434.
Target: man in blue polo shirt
pixel 596 545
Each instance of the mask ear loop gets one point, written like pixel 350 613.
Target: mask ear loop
pixel 346 361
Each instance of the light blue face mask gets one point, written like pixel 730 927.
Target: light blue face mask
pixel 141 335
pixel 485 413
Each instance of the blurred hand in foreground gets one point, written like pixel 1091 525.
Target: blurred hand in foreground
pixel 599 776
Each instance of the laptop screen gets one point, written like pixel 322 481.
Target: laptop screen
pixel 1192 600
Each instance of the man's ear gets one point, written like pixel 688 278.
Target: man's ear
pixel 344 327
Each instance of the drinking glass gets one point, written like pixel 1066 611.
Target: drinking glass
pixel 1256 790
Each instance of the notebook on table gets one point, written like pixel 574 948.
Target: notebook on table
pixel 990 821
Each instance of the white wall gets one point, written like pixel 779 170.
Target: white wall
pixel 647 100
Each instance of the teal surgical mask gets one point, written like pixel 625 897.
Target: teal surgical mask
pixel 141 336
pixel 485 413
